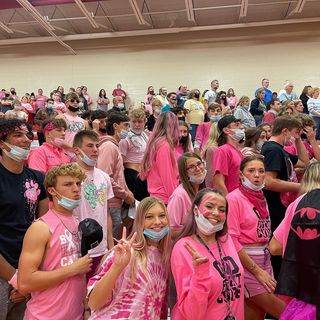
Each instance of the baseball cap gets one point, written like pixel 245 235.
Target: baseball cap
pixel 225 121
pixel 91 234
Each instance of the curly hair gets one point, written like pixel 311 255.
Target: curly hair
pixel 70 169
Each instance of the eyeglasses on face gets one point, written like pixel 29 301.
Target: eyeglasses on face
pixel 193 167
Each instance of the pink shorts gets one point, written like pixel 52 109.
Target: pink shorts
pixel 261 256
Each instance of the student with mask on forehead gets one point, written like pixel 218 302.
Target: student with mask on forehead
pixel 50 267
pixel 22 200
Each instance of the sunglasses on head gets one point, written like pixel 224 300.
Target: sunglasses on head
pixel 74 100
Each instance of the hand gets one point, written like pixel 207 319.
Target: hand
pixel 266 280
pixel 95 124
pixel 310 133
pixel 16 296
pixel 122 251
pixel 197 259
pixel 82 265
pixel 130 199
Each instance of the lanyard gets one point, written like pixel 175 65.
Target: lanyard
pixel 224 273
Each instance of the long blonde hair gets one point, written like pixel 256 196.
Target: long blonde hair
pixel 311 178
pixel 139 258
pixel 212 140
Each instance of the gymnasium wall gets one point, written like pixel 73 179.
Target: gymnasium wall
pixel 239 58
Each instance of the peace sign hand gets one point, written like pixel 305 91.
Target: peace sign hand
pixel 197 259
pixel 122 251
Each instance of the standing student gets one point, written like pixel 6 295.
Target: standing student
pixel 132 149
pixel 227 157
pixel 159 166
pixel 257 107
pixel 280 175
pixel 185 144
pixel 49 267
pixel 250 228
pixel 132 281
pixel 110 161
pixel 192 173
pixel 206 268
pixel 96 192
pixel 22 200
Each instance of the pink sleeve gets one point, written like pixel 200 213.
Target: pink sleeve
pixel 103 269
pixel 282 232
pixel 175 211
pixel 291 149
pixel 167 172
pixel 220 160
pixel 234 219
pixel 37 160
pixel 199 136
pixel 106 162
pixel 191 283
pixel 124 147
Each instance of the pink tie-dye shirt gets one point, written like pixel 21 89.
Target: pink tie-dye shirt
pixel 145 298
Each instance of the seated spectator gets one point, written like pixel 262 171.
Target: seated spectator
pixel 298 107
pixel 17 112
pixel 255 138
pixel 6 102
pixel 274 107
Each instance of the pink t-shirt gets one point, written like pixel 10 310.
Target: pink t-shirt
pixel 40 101
pixel 74 125
pixel 95 192
pixel 245 224
pixel 232 101
pixel 133 147
pixel 178 150
pixel 163 176
pixel 202 135
pixel 65 300
pixel 179 206
pixel 293 149
pixel 200 291
pixel 59 107
pixel 269 117
pixel 227 160
pixel 46 157
pixel 282 232
pixel 145 298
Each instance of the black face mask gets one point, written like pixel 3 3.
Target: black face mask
pixel 73 109
pixel 13 92
pixel 183 139
pixel 182 118
pixel 103 130
pixel 7 95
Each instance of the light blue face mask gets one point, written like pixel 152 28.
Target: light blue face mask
pixel 215 118
pixel 89 162
pixel 123 134
pixel 68 204
pixel 156 236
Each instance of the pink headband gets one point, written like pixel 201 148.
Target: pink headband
pixel 48 127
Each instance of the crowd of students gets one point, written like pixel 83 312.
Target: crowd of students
pixel 198 206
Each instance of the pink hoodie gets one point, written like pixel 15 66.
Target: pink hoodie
pixel 110 161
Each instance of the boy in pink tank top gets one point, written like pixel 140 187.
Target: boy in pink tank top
pixel 49 266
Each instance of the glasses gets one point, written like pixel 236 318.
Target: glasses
pixel 193 167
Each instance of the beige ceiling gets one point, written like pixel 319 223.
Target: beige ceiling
pixel 89 19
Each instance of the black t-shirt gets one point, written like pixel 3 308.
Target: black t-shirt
pixel 19 196
pixel 278 160
pixel 151 122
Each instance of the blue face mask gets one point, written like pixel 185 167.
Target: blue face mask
pixel 67 203
pixel 215 118
pixel 89 162
pixel 156 236
pixel 123 134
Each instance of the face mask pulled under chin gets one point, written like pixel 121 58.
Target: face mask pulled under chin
pixel 68 204
pixel 198 180
pixel 249 185
pixel 204 225
pixel 16 153
pixel 156 236
pixel 85 159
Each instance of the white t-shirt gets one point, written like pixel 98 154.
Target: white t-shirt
pixel 95 192
pixel 210 96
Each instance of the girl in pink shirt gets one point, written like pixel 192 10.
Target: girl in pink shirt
pixel 159 165
pixel 192 173
pixel 203 131
pixel 131 283
pixel 232 100
pixel 206 268
pixel 250 228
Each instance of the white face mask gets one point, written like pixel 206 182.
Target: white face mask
pixel 238 134
pixel 259 145
pixel 204 225
pixel 249 185
pixel 16 153
pixel 199 179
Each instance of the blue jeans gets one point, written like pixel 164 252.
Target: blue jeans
pixel 193 131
